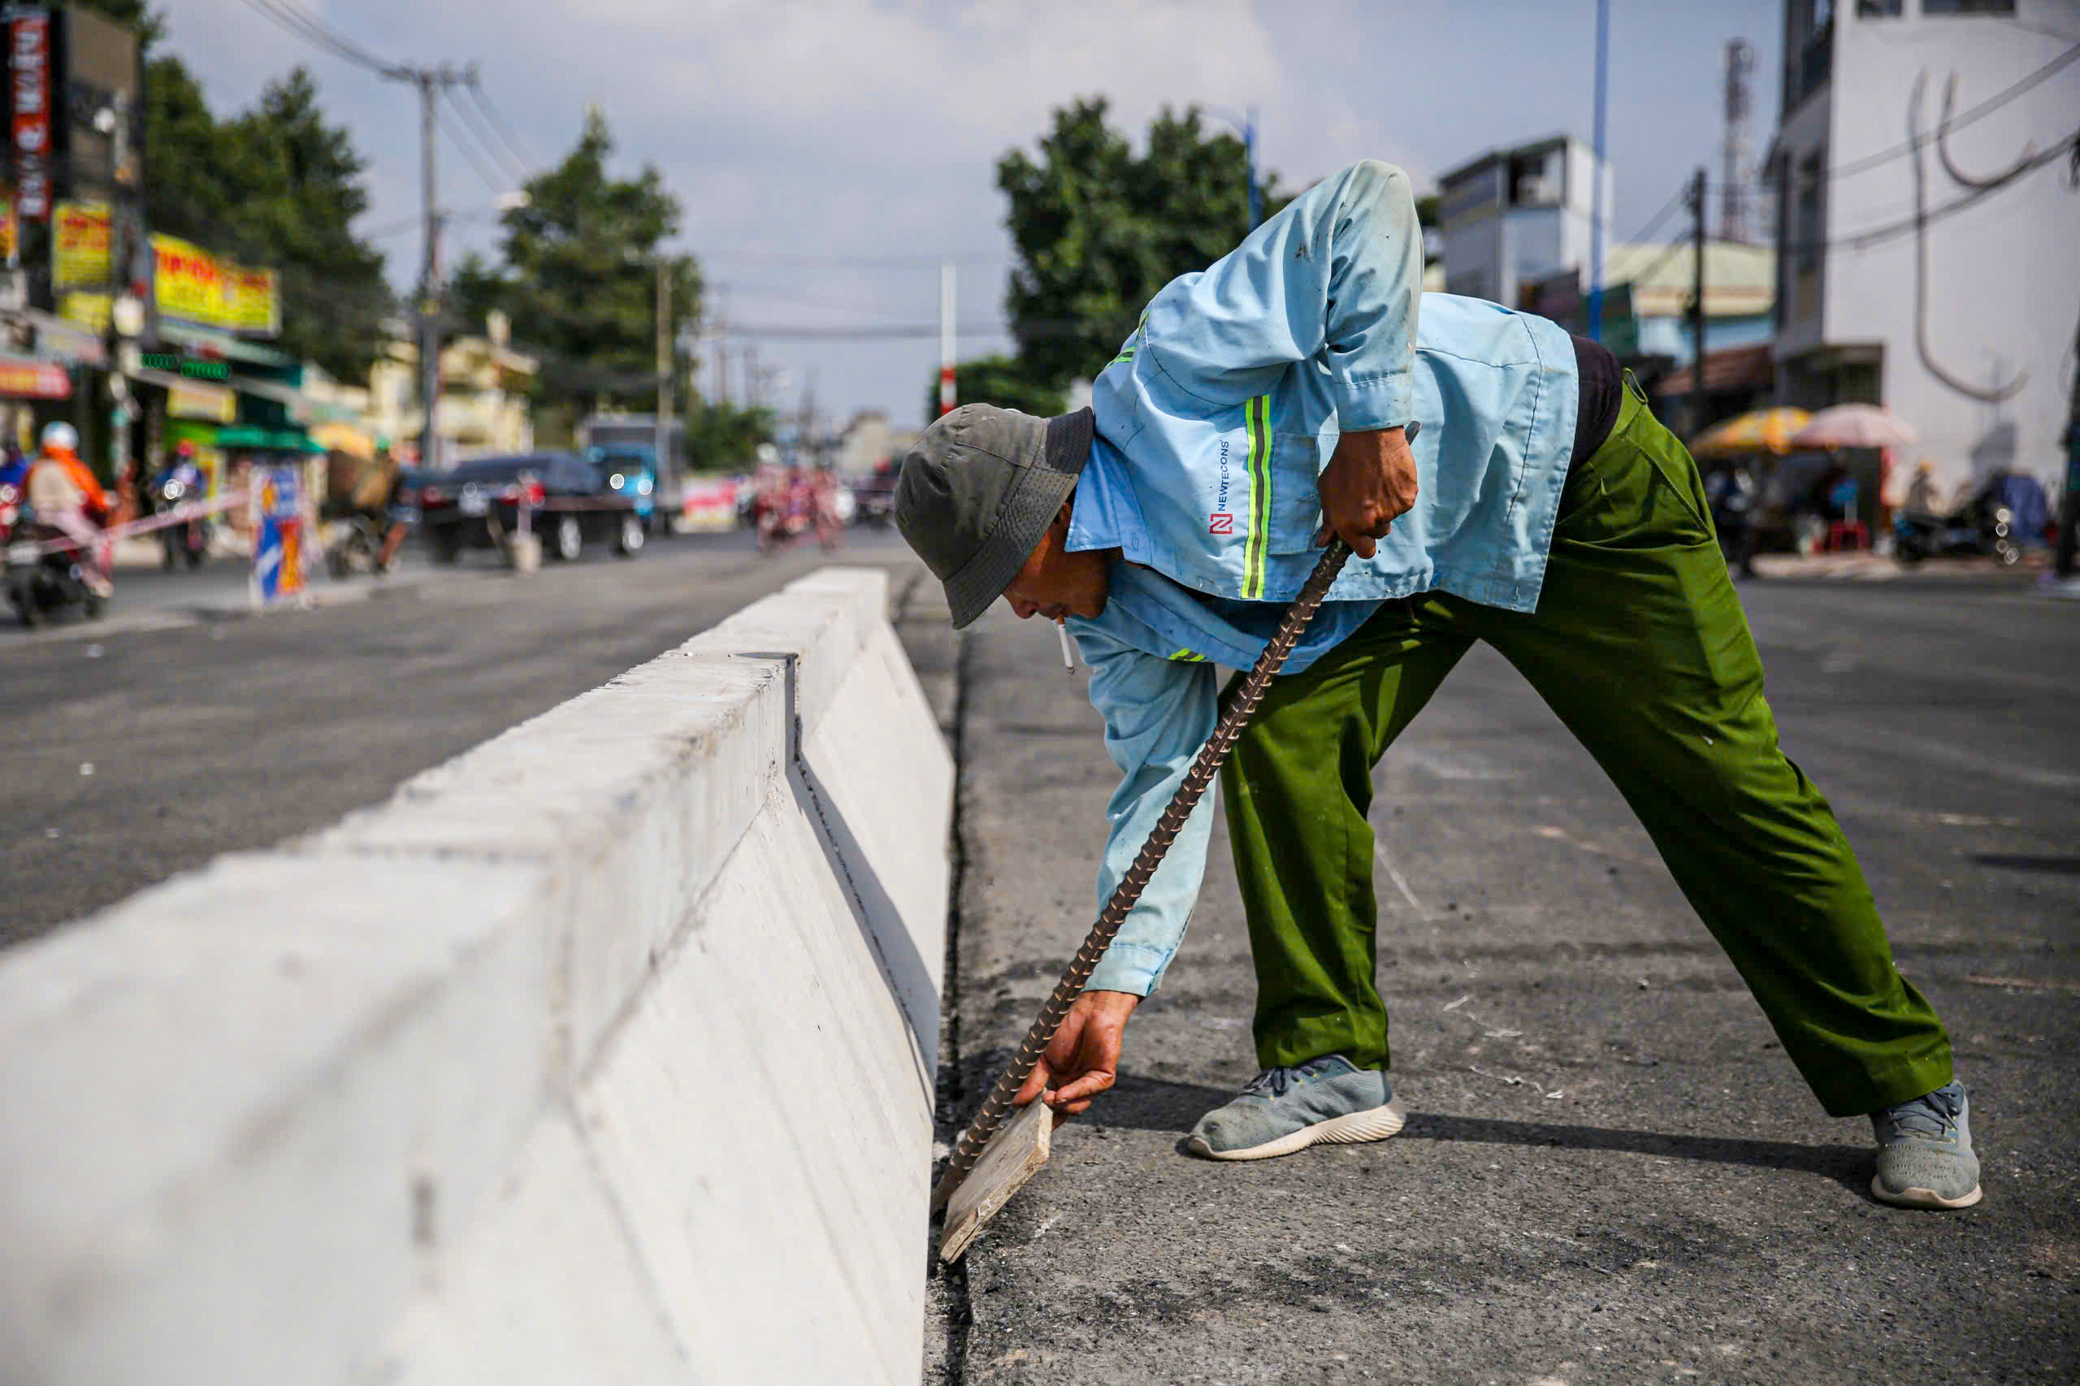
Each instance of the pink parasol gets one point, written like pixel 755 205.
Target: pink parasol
pixel 1855 426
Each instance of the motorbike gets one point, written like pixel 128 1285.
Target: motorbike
pixel 356 546
pixel 45 580
pixel 10 511
pixel 1975 531
pixel 784 519
pixel 185 543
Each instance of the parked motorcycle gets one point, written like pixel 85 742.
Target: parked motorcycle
pixel 185 543
pixel 1973 532
pixel 45 584
pixel 356 546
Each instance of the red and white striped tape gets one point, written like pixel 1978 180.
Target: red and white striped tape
pixel 179 515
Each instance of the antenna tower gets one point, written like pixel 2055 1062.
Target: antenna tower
pixel 1734 172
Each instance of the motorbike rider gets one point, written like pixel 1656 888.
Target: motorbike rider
pixel 14 466
pixel 182 482
pixel 68 499
pixel 182 467
pixel 1731 493
pixel 376 498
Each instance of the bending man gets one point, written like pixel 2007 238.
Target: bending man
pixel 1499 482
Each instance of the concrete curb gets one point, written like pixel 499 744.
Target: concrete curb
pixel 604 1052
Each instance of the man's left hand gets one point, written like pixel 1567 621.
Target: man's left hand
pixel 1370 482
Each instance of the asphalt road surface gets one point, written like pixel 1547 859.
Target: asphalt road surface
pixel 180 729
pixel 1610 1173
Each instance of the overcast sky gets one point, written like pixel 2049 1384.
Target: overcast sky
pixel 830 152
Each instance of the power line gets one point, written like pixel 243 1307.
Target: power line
pixel 1878 235
pixel 764 257
pixel 1986 107
pixel 1654 222
pixel 310 29
pixel 509 166
pixel 1650 271
pixel 482 99
pixel 884 332
pixel 494 179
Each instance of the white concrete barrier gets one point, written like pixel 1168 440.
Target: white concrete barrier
pixel 602 1053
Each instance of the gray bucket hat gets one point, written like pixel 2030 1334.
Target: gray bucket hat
pixel 979 490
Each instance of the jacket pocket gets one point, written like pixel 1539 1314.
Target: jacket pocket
pixel 1296 491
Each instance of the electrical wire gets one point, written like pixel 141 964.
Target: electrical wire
pixel 1906 226
pixel 522 158
pixel 764 257
pixel 512 168
pixel 1673 249
pixel 494 178
pixel 1668 209
pixel 306 26
pixel 1984 108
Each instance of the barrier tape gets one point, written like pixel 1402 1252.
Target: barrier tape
pixel 28 550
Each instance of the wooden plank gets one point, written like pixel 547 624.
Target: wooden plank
pixel 1015 1155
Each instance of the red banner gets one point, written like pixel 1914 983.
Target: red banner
pixel 29 87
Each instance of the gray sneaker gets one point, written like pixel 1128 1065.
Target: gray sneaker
pixel 1925 1155
pixel 1282 1110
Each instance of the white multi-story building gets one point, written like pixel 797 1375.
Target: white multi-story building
pixel 1932 269
pixel 1516 215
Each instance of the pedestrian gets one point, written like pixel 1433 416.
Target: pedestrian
pixel 1498 481
pixel 68 498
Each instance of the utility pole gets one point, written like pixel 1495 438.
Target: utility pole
pixel 1249 159
pixel 1697 394
pixel 2069 502
pixel 666 466
pixel 430 82
pixel 1603 51
pixel 948 396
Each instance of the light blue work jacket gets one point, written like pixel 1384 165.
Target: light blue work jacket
pixel 1213 424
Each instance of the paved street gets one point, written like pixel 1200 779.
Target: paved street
pixel 208 731
pixel 1610 1172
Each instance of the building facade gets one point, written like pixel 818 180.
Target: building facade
pixel 484 406
pixel 1516 215
pixel 1926 266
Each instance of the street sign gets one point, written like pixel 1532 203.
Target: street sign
pixel 280 532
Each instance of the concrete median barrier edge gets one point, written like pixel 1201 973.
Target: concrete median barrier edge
pixel 603 1052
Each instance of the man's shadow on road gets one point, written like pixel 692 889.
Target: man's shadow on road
pixel 1152 1104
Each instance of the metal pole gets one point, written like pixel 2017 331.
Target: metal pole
pixel 1603 55
pixel 429 275
pixel 2063 557
pixel 666 469
pixel 1249 154
pixel 1698 402
pixel 948 395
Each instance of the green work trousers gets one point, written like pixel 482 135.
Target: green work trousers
pixel 1640 645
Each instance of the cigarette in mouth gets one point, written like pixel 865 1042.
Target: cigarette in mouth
pixel 1061 628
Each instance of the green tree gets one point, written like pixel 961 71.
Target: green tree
pixel 724 437
pixel 1099 229
pixel 578 277
pixel 296 182
pixel 276 186
pixel 1000 380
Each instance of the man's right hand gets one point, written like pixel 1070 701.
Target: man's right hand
pixel 1083 1060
